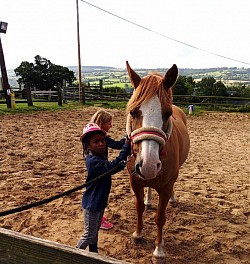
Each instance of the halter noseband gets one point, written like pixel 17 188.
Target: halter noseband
pixel 149 133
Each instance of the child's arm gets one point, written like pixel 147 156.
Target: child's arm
pixel 115 144
pixel 103 165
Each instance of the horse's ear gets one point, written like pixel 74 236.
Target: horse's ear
pixel 171 77
pixel 133 76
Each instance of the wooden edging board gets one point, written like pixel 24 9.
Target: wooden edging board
pixel 24 249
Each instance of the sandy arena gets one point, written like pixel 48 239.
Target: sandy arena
pixel 41 155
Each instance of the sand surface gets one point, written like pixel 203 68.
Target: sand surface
pixel 41 156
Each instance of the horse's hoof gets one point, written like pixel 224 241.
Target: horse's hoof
pixel 159 260
pixel 173 204
pixel 137 240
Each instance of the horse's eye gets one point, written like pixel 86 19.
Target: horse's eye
pixel 133 113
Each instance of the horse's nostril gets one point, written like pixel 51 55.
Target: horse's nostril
pixel 158 165
pixel 137 168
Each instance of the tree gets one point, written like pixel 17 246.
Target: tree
pixel 25 70
pixel 243 90
pixel 184 85
pixel 43 75
pixel 220 89
pixel 206 86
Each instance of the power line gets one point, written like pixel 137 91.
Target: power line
pixel 162 35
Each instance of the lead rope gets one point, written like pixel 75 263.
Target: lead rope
pixel 121 164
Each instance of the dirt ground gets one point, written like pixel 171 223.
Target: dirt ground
pixel 41 156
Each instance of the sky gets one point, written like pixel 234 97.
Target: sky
pixel 147 33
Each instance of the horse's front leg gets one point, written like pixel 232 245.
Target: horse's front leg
pixel 160 219
pixel 140 207
pixel 173 202
pixel 148 198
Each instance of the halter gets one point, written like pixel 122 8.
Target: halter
pixel 150 133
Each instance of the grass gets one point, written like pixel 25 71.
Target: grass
pixel 116 85
pixel 37 106
pixel 108 104
pixel 198 110
pixel 53 106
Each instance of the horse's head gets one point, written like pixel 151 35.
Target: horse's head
pixel 148 122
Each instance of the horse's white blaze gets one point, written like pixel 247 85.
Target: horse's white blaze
pixel 151 113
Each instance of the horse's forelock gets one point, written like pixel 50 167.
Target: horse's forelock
pixel 149 87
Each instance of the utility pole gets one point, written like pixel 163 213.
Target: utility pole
pixel 6 87
pixel 81 89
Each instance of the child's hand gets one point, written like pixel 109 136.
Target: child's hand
pixel 127 139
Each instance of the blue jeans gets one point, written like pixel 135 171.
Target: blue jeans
pixel 92 223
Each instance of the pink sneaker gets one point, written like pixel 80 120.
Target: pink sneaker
pixel 105 224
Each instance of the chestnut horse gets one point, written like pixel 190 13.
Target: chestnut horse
pixel 160 145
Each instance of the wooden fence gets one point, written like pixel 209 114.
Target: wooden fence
pixel 17 248
pixel 97 93
pixel 226 101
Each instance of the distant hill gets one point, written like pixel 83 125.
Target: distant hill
pixel 224 74
pixel 92 68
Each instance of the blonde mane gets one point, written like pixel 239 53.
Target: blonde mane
pixel 149 86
